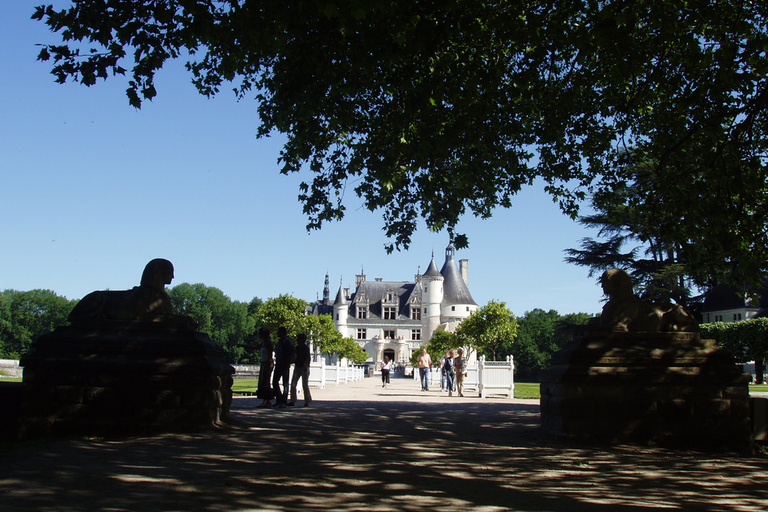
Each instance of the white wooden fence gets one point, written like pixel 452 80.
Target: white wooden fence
pixel 485 378
pixel 496 377
pixel 320 373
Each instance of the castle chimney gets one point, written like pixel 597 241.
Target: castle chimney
pixel 464 269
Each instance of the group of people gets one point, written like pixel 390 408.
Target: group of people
pixel 453 369
pixel 275 368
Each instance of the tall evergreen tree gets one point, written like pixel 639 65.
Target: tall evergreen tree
pixel 639 233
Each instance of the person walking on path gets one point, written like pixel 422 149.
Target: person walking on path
pixel 425 364
pixel 443 376
pixel 386 366
pixel 266 364
pixel 460 366
pixel 449 371
pixel 284 355
pixel 442 372
pixel 301 370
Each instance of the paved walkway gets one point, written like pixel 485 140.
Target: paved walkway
pixel 361 447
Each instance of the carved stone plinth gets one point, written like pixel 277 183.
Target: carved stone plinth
pixel 124 378
pixel 665 388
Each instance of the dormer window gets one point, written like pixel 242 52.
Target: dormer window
pixel 390 313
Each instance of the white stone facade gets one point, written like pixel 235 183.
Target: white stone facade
pixel 395 318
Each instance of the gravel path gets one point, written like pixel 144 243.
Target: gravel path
pixel 361 447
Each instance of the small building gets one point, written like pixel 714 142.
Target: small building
pixel 395 318
pixel 725 303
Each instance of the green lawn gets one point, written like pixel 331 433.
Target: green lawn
pixel 245 386
pixel 527 390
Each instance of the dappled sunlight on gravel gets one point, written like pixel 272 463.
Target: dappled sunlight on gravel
pixel 358 448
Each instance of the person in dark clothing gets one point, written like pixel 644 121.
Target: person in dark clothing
pixel 449 371
pixel 266 364
pixel 284 354
pixel 301 370
pixel 386 366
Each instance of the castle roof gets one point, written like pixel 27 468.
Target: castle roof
pixel 432 269
pixel 375 296
pixel 340 300
pixel 724 297
pixel 455 290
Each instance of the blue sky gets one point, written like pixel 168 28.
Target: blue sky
pixel 91 189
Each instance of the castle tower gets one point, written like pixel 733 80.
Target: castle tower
pixel 457 302
pixel 341 312
pixel 432 298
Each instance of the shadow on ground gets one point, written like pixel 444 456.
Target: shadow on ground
pixel 357 455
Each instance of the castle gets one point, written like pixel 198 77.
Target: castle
pixel 394 319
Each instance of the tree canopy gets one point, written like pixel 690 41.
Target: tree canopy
pixel 283 311
pixel 434 109
pixel 227 322
pixel 637 234
pixel 26 315
pixel 539 335
pixel 489 329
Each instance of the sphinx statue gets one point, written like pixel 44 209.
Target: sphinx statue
pixel 147 302
pixel 643 375
pixel 625 311
pixel 129 366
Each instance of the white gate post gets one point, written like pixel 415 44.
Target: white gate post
pixel 480 366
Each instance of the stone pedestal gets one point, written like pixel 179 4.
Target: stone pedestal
pixel 664 388
pixel 121 378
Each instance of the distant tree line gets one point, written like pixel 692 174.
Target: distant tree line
pixel 26 315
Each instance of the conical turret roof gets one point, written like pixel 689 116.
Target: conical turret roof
pixel 432 269
pixel 340 299
pixel 455 290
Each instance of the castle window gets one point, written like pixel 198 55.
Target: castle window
pixel 453 308
pixel 362 334
pixel 415 334
pixel 415 313
pixel 389 335
pixel 390 313
pixel 390 296
pixel 362 312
